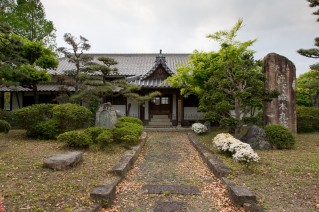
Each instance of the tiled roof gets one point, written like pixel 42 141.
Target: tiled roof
pixel 136 67
pixel 45 87
pixel 129 64
pixel 150 83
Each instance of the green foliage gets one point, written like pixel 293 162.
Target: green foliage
pixel 104 138
pixel 279 136
pixel 77 139
pixel 308 89
pixel 137 127
pixel 27 19
pixel 225 81
pixel 29 117
pixel 307 119
pixel 127 133
pixel 71 116
pixel 29 76
pixel 7 116
pixel 46 130
pixel 313 52
pixel 4 126
pixel 21 61
pixel 94 132
pixel 10 53
pixel 130 120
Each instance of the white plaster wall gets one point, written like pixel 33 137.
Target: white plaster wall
pixel 174 107
pixel 15 104
pixel 121 108
pixel 134 111
pixel 191 113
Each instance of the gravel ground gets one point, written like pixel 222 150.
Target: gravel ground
pixel 168 158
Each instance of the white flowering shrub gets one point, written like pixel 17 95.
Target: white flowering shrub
pixel 241 152
pixel 246 155
pixel 199 128
pixel 223 141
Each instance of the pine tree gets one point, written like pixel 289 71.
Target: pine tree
pixel 313 52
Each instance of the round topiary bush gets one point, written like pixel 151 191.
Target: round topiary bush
pixel 130 120
pixel 76 139
pixel 4 126
pixel 71 116
pixel 46 130
pixel 127 133
pixel 94 132
pixel 279 136
pixel 104 138
pixel 29 117
pixel 7 116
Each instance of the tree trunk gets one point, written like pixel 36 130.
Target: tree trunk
pixel 237 116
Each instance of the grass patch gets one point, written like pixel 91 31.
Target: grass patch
pixel 284 180
pixel 25 185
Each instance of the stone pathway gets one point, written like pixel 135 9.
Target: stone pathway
pixel 170 176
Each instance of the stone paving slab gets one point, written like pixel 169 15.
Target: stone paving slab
pixel 167 174
pixel 174 206
pixel 171 189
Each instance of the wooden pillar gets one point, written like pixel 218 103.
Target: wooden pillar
pixel 179 110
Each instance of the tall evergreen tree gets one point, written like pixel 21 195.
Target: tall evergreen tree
pixel 27 19
pixel 229 83
pixel 24 62
pixel 10 53
pixel 313 52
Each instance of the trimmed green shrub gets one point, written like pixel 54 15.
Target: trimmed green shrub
pixel 7 116
pixel 307 119
pixel 94 132
pixel 4 126
pixel 71 116
pixel 138 128
pixel 104 138
pixel 130 120
pixel 78 139
pixel 48 129
pixel 29 117
pixel 279 136
pixel 127 133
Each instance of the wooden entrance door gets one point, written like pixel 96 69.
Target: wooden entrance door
pixel 161 106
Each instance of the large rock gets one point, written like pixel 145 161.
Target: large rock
pixel 256 138
pixel 63 161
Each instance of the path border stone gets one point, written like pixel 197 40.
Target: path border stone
pixel 240 195
pixel 106 192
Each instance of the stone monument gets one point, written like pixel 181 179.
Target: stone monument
pixel 106 116
pixel 281 76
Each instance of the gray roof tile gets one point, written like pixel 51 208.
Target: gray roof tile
pixel 129 64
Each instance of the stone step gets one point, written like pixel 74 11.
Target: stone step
pixel 160 120
pixel 166 123
pixel 161 206
pixel 160 117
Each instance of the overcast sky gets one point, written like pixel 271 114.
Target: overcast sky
pixel 181 26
